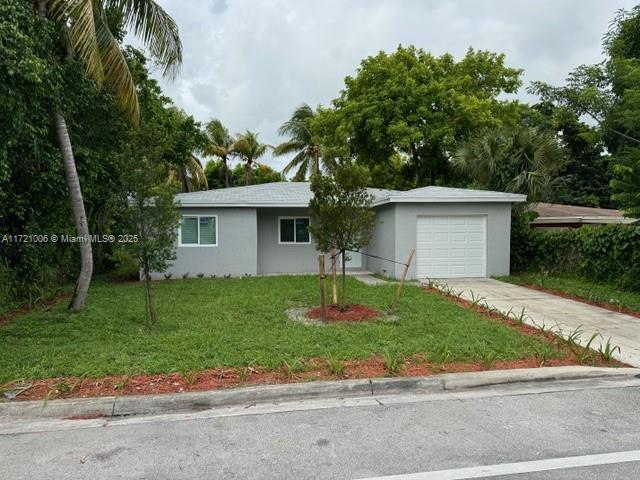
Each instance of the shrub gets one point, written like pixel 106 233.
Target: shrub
pixel 606 253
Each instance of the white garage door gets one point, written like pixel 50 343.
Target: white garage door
pixel 453 246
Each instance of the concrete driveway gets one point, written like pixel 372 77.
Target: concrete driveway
pixel 560 314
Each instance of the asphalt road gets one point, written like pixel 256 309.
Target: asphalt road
pixel 570 430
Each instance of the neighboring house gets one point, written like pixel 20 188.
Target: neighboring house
pixel 263 229
pixel 554 215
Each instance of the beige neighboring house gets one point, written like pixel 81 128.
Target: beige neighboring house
pixel 554 215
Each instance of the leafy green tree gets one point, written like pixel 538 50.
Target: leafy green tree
pixel 310 154
pixel 87 27
pixel 33 193
pixel 217 177
pixel 219 144
pixel 249 149
pixel 586 172
pixel 413 103
pixel 342 217
pixel 523 160
pixel 610 94
pixel 154 216
pixel 183 138
pixel 261 174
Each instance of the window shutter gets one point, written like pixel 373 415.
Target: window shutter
pixel 208 231
pixel 189 230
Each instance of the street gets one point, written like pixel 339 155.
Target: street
pixel 587 429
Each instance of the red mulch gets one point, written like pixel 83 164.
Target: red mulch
pixel 16 312
pixel 353 312
pixel 571 296
pixel 224 378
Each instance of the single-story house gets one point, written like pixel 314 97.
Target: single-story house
pixel 555 215
pixel 263 229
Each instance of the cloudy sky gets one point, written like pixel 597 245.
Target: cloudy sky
pixel 251 62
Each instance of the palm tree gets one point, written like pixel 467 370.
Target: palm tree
pixel 220 144
pixel 309 153
pixel 249 149
pixel 523 160
pixel 89 39
pixel 190 175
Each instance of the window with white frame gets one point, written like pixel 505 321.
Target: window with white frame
pixel 294 230
pixel 199 230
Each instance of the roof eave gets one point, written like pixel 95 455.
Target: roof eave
pixel 243 205
pixel 470 199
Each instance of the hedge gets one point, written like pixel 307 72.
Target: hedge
pixel 607 253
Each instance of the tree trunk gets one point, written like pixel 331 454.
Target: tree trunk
pixel 334 277
pixel 226 173
pixel 248 172
pixel 151 309
pixel 79 215
pixel 41 8
pixel 343 300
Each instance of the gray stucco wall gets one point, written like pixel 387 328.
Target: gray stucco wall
pixel 237 249
pixel 382 242
pixel 274 257
pixel 498 231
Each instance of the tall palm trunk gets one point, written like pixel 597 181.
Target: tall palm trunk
pixel 248 178
pixel 227 183
pixel 79 215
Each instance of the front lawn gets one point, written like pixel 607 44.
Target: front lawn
pixel 597 292
pixel 207 323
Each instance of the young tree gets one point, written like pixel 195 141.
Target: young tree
pixel 342 217
pixel 154 215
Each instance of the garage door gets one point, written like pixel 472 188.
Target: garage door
pixel 453 246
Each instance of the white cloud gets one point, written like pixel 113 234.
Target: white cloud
pixel 251 62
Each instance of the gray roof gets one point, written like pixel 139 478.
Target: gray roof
pixel 298 194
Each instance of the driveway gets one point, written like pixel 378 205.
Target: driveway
pixel 560 314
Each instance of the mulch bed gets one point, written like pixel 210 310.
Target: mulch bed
pixel 570 296
pixel 352 312
pixel 225 378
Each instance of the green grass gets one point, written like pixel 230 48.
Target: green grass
pixel 594 291
pixel 206 323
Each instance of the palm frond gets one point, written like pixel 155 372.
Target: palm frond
pixel 78 17
pixel 196 174
pixel 116 70
pixel 300 161
pixel 156 29
pixel 291 146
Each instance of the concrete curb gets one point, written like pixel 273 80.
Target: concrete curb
pixel 198 401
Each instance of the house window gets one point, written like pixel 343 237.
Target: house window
pixel 294 230
pixel 198 230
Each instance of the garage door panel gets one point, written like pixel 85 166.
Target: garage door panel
pixel 451 246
